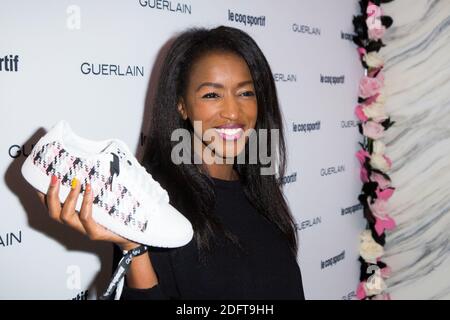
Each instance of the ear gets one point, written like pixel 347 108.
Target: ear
pixel 182 109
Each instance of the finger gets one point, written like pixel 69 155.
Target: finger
pixel 68 214
pixel 93 230
pixel 51 200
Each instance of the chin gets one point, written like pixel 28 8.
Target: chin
pixel 229 152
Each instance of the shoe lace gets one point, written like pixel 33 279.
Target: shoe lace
pixel 140 177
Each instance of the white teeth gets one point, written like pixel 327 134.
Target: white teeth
pixel 228 132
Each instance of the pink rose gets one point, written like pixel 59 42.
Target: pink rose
pixel 378 208
pixel 384 224
pixel 373 10
pixel 376 33
pixel 364 175
pixel 375 28
pixel 362 155
pixel 373 23
pixel 384 194
pixel 373 130
pixel 383 183
pixel 361 291
pixel 360 113
pixel 371 99
pixel 362 51
pixel 370 86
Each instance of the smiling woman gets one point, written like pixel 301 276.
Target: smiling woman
pixel 245 242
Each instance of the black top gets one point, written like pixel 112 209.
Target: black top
pixel 268 271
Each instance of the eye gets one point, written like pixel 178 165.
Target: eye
pixel 248 94
pixel 210 95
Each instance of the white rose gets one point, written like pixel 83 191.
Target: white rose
pixel 381 97
pixel 375 110
pixel 380 100
pixel 373 60
pixel 369 249
pixel 379 147
pixel 377 161
pixel 366 236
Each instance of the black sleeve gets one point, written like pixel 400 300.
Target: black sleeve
pixel 162 262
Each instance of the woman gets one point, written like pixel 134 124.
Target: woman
pixel 245 243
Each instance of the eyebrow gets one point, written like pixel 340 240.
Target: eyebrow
pixel 220 86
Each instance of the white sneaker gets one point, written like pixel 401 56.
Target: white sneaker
pixel 127 200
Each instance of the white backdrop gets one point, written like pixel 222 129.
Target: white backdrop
pixel 317 71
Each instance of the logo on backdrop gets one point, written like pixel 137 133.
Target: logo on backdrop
pixel 288 179
pixel 349 296
pixel 308 223
pixel 10 239
pixel 246 20
pixel 171 6
pixel 352 209
pixel 83 295
pixel 331 262
pixel 9 63
pixel 305 29
pixel 347 36
pixel 349 124
pixel 285 77
pixel 332 170
pixel 306 127
pixel 102 69
pixel 16 151
pixel 332 79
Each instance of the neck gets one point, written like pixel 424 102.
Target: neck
pixel 222 171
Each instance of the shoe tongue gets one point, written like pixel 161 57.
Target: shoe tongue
pixel 109 146
pixel 113 147
pixel 117 150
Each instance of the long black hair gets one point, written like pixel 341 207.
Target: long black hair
pixel 190 189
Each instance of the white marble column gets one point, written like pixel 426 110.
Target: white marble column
pixel 417 73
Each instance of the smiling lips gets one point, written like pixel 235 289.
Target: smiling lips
pixel 230 132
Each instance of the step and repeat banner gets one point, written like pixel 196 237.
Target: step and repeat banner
pixel 95 64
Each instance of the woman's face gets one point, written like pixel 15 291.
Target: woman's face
pixel 220 94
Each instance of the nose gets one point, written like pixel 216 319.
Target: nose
pixel 230 109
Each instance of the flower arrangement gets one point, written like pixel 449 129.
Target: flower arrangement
pixel 370 27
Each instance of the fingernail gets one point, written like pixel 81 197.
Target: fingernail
pixel 74 183
pixel 88 188
pixel 53 180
